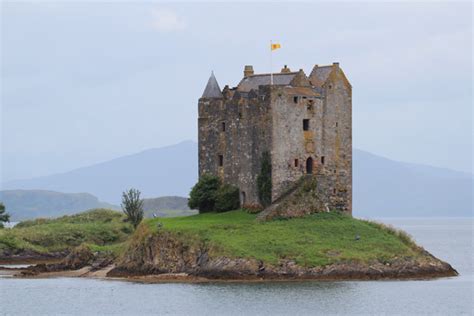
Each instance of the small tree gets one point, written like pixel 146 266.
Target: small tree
pixel 264 180
pixel 227 198
pixel 132 206
pixel 203 194
pixel 4 217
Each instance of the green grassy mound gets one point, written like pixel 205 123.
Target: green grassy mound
pixel 101 229
pixel 315 240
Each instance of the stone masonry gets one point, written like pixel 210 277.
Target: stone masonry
pixel 304 122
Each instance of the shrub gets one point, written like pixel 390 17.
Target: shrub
pixel 203 194
pixel 4 217
pixel 252 208
pixel 264 180
pixel 227 198
pixel 132 206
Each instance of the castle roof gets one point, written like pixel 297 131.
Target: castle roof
pixel 320 74
pixel 212 89
pixel 253 81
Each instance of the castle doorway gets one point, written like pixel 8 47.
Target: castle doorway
pixel 242 198
pixel 309 165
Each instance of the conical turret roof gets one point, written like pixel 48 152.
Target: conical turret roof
pixel 212 88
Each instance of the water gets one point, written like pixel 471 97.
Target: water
pixel 449 239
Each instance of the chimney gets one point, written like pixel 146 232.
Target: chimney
pixel 248 70
pixel 285 69
pixel 335 65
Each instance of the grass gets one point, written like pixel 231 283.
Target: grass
pixel 316 240
pixel 101 229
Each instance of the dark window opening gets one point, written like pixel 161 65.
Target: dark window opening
pixel 223 126
pixel 295 99
pixel 336 124
pixel 240 115
pixel 305 125
pixel 243 197
pixel 296 162
pixel 310 105
pixel 221 160
pixel 304 98
pixel 334 191
pixel 309 165
pixel 322 160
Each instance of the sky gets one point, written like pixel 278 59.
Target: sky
pixel 85 82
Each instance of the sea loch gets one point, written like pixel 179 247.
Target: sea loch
pixel 445 296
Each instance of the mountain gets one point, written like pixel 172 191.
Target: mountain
pixel 165 171
pixel 381 187
pixel 27 204
pixel 387 188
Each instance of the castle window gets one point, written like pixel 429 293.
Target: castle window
pixel 322 160
pixel 296 162
pixel 309 165
pixel 221 160
pixel 334 191
pixel 223 126
pixel 305 125
pixel 295 100
pixel 309 107
pixel 240 115
pixel 336 124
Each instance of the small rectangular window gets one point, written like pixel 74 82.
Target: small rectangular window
pixel 336 124
pixel 221 160
pixel 296 162
pixel 223 126
pixel 322 160
pixel 305 125
pixel 295 99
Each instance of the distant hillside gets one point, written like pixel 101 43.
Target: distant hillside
pixel 165 171
pixel 27 204
pixel 167 206
pixel 382 187
pixel 387 188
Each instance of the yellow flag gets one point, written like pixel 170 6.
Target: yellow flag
pixel 275 46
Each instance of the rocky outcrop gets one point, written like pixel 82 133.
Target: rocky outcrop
pixel 165 253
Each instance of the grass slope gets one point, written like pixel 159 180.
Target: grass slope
pixel 102 229
pixel 316 240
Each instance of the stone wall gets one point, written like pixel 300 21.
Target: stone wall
pixel 240 126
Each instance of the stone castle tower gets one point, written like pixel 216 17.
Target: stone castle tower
pixel 304 122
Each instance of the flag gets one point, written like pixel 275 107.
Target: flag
pixel 275 46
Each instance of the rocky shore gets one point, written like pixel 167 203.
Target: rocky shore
pixel 163 258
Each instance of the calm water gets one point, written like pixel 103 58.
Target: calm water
pixel 449 239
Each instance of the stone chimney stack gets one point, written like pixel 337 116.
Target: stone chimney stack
pixel 248 70
pixel 285 69
pixel 335 65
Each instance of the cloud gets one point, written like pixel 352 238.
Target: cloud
pixel 165 20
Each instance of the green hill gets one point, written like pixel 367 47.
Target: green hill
pixel 167 206
pixel 28 204
pixel 99 228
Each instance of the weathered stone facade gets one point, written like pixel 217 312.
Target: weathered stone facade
pixel 304 122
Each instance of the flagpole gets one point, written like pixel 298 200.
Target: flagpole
pixel 271 64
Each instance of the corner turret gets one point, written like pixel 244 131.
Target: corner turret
pixel 212 89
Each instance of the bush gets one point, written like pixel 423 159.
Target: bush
pixel 203 194
pixel 132 206
pixel 252 208
pixel 264 180
pixel 210 195
pixel 227 198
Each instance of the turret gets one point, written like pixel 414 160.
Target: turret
pixel 212 89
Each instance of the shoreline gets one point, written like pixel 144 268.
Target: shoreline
pixel 238 277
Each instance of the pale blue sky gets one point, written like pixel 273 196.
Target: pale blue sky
pixel 87 82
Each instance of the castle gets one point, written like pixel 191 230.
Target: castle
pixel 303 122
